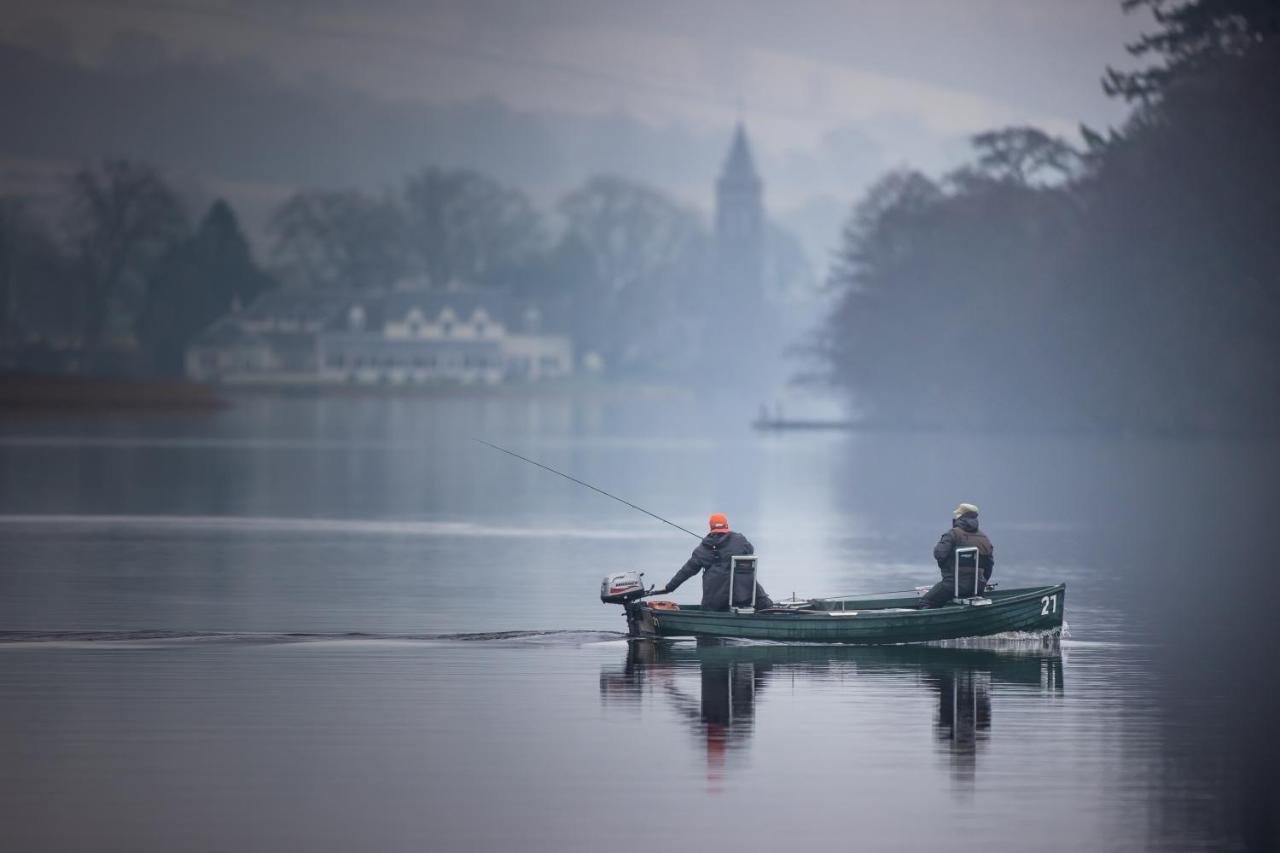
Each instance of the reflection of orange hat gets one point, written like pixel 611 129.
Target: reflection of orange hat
pixel 718 523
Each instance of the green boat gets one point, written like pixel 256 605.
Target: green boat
pixel 863 621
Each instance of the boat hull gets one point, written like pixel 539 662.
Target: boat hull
pixel 866 622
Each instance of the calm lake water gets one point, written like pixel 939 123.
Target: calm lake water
pixel 338 624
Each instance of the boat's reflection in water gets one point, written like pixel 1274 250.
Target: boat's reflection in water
pixel 734 677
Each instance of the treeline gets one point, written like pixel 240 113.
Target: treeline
pixel 615 265
pixel 125 282
pixel 1130 283
pixel 609 265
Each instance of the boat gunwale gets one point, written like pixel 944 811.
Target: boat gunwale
pixel 1009 598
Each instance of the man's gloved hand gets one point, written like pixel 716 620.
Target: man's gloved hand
pixel 657 590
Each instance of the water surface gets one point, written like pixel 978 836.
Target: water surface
pixel 337 624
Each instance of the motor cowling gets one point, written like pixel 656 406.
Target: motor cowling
pixel 622 587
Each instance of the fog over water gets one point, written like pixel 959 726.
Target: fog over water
pixel 329 623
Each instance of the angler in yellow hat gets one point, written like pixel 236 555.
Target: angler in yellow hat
pixel 964 533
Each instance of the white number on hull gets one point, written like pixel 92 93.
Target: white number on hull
pixel 1048 604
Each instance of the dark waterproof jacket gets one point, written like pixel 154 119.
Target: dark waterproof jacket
pixel 712 558
pixel 964 533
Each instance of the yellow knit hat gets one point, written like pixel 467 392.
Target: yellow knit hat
pixel 964 509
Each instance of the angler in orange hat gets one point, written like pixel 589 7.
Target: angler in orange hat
pixel 713 558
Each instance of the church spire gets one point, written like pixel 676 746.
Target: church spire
pixel 740 224
pixel 739 166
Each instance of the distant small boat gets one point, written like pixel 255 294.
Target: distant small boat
pixel 785 424
pixel 867 621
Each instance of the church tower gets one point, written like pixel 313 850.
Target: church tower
pixel 740 226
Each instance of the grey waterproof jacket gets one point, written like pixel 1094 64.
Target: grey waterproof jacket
pixel 712 558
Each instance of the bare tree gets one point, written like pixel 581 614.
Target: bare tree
pixel 641 258
pixel 633 233
pixel 464 226
pixel 123 218
pixel 339 238
pixel 1025 154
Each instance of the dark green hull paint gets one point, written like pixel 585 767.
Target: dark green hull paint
pixel 1015 663
pixel 875 623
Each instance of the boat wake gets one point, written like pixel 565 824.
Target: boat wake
pixel 562 637
pixel 157 638
pixel 1008 639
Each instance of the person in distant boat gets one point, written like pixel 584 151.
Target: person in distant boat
pixel 964 533
pixel 713 557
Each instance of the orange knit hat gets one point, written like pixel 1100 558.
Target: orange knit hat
pixel 719 523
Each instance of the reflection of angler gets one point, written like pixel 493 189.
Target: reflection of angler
pixel 963 722
pixel 964 714
pixel 723 714
pixel 728 710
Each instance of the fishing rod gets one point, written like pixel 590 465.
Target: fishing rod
pixel 588 485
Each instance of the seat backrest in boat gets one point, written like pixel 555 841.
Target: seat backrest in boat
pixel 744 564
pixel 967 558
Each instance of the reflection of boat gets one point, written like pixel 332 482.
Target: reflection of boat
pixel 1012 662
pixel 733 678
pixel 861 621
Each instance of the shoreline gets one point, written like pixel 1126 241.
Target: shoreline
pixel 33 393
pixel 22 394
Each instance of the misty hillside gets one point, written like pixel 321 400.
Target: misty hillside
pixel 237 125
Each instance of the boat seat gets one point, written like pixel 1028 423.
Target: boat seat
pixel 743 564
pixel 967 558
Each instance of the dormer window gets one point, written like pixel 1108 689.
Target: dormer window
pixel 446 320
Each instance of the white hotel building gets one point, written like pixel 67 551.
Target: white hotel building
pixel 398 337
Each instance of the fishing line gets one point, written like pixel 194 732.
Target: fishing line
pixel 588 485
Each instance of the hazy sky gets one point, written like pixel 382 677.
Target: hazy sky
pixel 796 70
pixel 833 93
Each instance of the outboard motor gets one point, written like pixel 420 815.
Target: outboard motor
pixel 622 587
pixel 625 588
